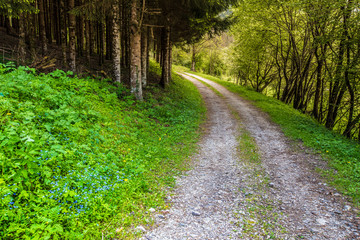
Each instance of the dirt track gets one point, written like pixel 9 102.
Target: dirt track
pixel 221 198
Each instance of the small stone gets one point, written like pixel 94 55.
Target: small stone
pixel 337 212
pixel 182 224
pixel 152 210
pixel 140 229
pixel 271 185
pixel 347 208
pixel 161 216
pixel 196 214
pixel 321 221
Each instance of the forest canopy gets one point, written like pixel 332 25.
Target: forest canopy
pixel 89 34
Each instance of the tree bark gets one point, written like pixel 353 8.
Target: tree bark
pixel 135 54
pixel 193 58
pixel 170 60
pixel 109 37
pixel 63 31
pixel 339 87
pixel 165 78
pixel 100 33
pixel 144 54
pixel 88 42
pixel 22 44
pixel 81 34
pixel 72 40
pixel 42 29
pixel 116 45
pixel 32 36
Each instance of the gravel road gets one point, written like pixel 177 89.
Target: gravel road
pixel 224 198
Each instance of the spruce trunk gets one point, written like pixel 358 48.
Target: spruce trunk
pixel 116 51
pixel 22 44
pixel 72 41
pixel 144 54
pixel 165 39
pixel 42 27
pixel 135 52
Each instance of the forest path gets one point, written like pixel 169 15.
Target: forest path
pixel 226 197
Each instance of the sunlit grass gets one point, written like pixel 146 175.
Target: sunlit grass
pixel 81 159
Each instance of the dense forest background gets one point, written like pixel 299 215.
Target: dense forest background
pixel 83 35
pixel 304 53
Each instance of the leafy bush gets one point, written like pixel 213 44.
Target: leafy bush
pixel 74 159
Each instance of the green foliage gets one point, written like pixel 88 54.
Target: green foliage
pixel 14 8
pixel 342 154
pixel 75 159
pixel 181 56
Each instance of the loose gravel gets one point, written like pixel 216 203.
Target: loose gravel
pixel 223 197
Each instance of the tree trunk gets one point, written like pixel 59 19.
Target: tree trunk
pixel 22 44
pixel 93 39
pixel 81 35
pixel 116 52
pixel 144 54
pixel 42 27
pixel 135 54
pixel 109 37
pixel 9 29
pixel 319 80
pixel 158 48
pixel 170 60
pixel 100 33
pixel 165 78
pixel 49 11
pixel 72 40
pixel 88 42
pixel 338 90
pixel 351 122
pixel 149 39
pixel 193 58
pixel 56 20
pixel 63 31
pixel 32 36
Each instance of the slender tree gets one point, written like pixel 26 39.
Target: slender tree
pixel 116 42
pixel 72 37
pixel 135 51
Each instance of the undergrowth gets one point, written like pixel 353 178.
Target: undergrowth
pixel 343 155
pixel 81 159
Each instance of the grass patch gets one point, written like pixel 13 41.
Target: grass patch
pixel 81 159
pixel 343 155
pixel 260 217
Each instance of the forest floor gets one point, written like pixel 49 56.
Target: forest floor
pixel 250 182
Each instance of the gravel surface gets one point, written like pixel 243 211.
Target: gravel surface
pixel 224 198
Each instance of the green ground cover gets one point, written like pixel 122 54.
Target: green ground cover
pixel 343 155
pixel 81 159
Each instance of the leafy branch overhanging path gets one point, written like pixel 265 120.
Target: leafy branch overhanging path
pixel 285 200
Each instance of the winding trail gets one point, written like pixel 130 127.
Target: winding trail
pixel 212 200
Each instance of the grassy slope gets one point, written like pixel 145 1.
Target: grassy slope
pixel 78 163
pixel 343 155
